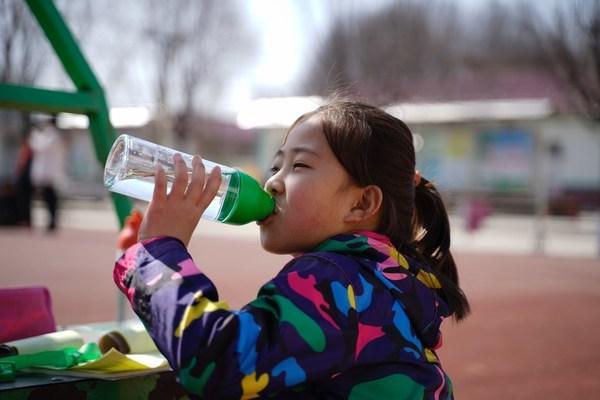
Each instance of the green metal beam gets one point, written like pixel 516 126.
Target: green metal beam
pixel 100 122
pixel 49 101
pixel 64 44
pixel 89 98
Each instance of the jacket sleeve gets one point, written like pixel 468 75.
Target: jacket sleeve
pixel 298 329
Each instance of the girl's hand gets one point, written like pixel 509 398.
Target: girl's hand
pixel 176 214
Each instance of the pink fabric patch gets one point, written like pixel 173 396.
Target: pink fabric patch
pixel 394 276
pixel 188 268
pixel 389 262
pixel 366 334
pixel 382 244
pixel 379 237
pixel 122 266
pixel 305 287
pixel 436 395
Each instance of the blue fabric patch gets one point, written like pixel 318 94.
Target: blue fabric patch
pixel 294 374
pixel 364 300
pixel 402 322
pixel 340 296
pixel 246 346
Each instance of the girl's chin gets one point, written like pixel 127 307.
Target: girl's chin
pixel 278 245
pixel 270 246
pixel 275 250
pixel 274 243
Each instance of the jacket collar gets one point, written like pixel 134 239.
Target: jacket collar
pixel 379 248
pixel 423 302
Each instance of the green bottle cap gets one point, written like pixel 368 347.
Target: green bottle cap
pixel 251 204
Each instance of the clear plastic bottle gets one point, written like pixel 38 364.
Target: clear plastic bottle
pixel 130 169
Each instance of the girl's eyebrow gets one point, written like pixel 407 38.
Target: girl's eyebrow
pixel 296 150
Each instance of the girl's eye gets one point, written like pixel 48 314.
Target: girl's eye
pixel 274 170
pixel 300 165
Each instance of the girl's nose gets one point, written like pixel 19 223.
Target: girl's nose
pixel 274 186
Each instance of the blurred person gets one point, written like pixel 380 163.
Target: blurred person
pixel 23 184
pixel 476 211
pixel 48 167
pixel 355 314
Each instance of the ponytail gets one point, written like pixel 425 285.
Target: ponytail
pixel 375 147
pixel 431 240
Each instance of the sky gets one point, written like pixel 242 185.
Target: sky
pixel 287 31
pixel 279 59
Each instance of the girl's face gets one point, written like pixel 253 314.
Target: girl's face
pixel 312 192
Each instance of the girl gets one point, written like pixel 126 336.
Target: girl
pixel 355 314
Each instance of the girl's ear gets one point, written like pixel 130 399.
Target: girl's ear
pixel 367 206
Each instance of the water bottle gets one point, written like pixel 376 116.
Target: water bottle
pixel 130 169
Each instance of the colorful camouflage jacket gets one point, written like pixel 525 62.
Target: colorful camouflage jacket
pixel 354 319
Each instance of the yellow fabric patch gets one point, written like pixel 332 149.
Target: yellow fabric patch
pixel 398 257
pixel 428 280
pixel 430 355
pixel 252 386
pixel 351 298
pixel 196 309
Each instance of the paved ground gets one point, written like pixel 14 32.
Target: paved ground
pixel 533 333
pixel 504 234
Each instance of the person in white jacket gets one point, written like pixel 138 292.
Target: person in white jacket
pixel 48 168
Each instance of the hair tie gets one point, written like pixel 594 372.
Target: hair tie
pixel 417 178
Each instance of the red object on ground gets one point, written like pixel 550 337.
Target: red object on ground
pixel 477 211
pixel 25 312
pixel 129 234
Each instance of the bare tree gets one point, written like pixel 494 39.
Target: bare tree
pixel 220 46
pixel 571 45
pixel 24 55
pixel 571 42
pixel 378 55
pixel 22 47
pixel 196 47
pixel 167 35
pixel 25 51
pixel 498 39
pixel 20 63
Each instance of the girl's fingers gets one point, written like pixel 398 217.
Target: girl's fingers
pixel 181 177
pixel 196 185
pixel 211 188
pixel 160 185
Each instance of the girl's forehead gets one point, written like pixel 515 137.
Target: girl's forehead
pixel 305 132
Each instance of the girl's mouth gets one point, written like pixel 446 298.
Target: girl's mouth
pixel 266 220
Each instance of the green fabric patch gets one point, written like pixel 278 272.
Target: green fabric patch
pixel 397 386
pixel 357 245
pixel 192 383
pixel 286 311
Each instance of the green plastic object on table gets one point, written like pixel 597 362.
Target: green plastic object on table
pixel 56 359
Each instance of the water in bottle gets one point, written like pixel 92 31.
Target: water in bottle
pixel 130 169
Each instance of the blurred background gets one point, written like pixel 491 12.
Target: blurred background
pixel 503 98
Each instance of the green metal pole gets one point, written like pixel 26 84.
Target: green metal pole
pixel 50 101
pixel 83 77
pixel 64 45
pixel 99 123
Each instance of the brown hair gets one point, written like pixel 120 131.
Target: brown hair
pixel 376 148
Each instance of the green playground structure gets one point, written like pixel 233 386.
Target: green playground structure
pixel 88 100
